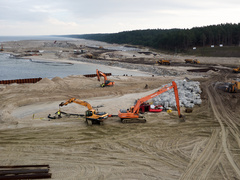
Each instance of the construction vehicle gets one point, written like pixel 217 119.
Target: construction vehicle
pixel 233 87
pixel 146 107
pixel 236 70
pixel 92 116
pixel 163 62
pixel 192 61
pixel 106 81
pixel 89 56
pixel 132 115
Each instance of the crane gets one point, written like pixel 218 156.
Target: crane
pixel 91 114
pixel 132 115
pixel 106 81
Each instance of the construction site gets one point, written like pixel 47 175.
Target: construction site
pixel 182 121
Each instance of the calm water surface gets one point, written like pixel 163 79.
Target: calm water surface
pixel 12 68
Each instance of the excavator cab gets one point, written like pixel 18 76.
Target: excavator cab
pixel 89 113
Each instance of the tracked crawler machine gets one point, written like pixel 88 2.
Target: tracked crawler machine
pixel 236 70
pixel 132 115
pixel 92 116
pixel 106 81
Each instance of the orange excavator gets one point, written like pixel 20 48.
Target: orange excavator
pixel 106 81
pixel 132 115
pixel 92 116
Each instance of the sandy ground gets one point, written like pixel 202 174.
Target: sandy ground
pixel 205 146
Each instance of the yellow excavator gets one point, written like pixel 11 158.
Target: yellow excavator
pixel 233 87
pixel 92 116
pixel 236 70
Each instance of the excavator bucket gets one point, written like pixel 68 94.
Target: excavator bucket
pixel 181 118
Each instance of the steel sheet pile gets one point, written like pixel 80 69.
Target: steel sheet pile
pixel 188 91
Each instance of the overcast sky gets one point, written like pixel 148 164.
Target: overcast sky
pixel 55 17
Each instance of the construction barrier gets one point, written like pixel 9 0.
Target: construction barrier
pixel 95 75
pixel 20 81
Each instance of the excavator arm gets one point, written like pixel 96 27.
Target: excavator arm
pixel 92 116
pixel 160 91
pixel 99 73
pixel 106 81
pixel 77 101
pixel 134 111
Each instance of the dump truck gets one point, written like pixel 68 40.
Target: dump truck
pixel 233 87
pixel 192 61
pixel 163 62
pixel 236 70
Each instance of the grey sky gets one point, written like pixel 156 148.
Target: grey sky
pixel 45 17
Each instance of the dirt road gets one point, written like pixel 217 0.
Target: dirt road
pixel 205 146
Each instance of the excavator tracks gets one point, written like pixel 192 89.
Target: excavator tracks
pixel 135 120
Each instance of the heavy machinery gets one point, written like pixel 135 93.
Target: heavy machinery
pixel 146 107
pixel 163 62
pixel 92 116
pixel 106 81
pixel 233 87
pixel 192 61
pixel 236 70
pixel 132 115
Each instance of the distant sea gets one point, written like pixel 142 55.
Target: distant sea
pixel 12 68
pixel 19 38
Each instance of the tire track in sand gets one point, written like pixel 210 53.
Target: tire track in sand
pixel 217 110
pixel 206 158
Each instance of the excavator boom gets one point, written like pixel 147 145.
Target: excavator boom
pixel 77 101
pixel 102 74
pixel 106 81
pixel 133 113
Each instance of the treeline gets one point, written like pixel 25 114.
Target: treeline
pixel 172 39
